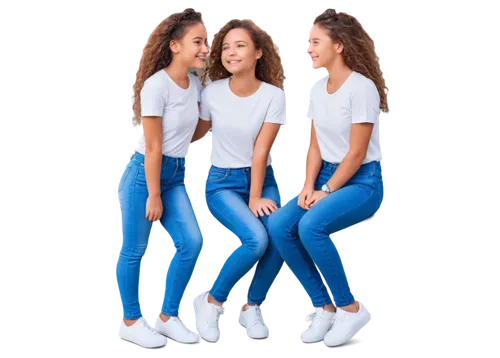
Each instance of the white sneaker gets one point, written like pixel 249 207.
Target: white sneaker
pixel 207 318
pixel 142 333
pixel 321 322
pixel 346 325
pixel 252 320
pixel 175 329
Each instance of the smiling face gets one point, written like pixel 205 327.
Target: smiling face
pixel 322 49
pixel 238 52
pixel 192 48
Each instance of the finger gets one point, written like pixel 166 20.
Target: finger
pixel 274 207
pixel 254 212
pixel 266 210
pixel 260 212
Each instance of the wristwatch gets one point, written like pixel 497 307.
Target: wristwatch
pixel 326 189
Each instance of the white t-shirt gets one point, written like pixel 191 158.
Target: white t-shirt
pixel 356 101
pixel 162 97
pixel 236 121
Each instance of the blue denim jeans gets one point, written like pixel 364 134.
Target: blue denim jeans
pixel 178 219
pixel 303 236
pixel 227 193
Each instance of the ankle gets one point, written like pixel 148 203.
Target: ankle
pixel 330 308
pixel 213 301
pixel 129 322
pixel 164 318
pixel 352 308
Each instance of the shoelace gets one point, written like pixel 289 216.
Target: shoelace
pixel 217 311
pixel 314 318
pixel 257 318
pixel 145 325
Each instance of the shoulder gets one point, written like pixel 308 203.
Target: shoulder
pixel 363 85
pixel 215 86
pixel 156 82
pixel 273 91
pixel 321 83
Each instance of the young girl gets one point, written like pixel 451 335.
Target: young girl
pixel 152 186
pixel 245 106
pixel 343 176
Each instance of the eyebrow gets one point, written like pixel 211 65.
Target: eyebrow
pixel 314 39
pixel 226 43
pixel 198 38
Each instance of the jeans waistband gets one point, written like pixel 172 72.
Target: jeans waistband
pixel 235 170
pixel 328 165
pixel 165 159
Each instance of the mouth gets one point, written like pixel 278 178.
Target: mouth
pixel 233 62
pixel 314 58
pixel 201 58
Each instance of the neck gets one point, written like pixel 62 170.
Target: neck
pixel 244 83
pixel 338 71
pixel 177 71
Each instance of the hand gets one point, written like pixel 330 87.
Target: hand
pixel 154 208
pixel 315 198
pixel 305 194
pixel 259 206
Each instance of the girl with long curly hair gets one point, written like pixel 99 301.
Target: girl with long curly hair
pixel 343 183
pixel 166 97
pixel 245 106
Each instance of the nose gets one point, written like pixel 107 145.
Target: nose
pixel 205 50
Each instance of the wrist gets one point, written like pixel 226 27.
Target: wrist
pixel 154 195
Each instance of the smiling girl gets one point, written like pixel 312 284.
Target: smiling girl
pixel 152 187
pixel 343 183
pixel 245 107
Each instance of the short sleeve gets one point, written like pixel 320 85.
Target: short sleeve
pixel 310 113
pixel 197 82
pixel 204 111
pixel 153 98
pixel 365 104
pixel 276 113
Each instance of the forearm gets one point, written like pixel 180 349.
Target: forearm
pixel 201 129
pixel 346 169
pixel 152 165
pixel 259 164
pixel 313 166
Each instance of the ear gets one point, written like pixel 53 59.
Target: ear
pixel 259 54
pixel 339 47
pixel 174 46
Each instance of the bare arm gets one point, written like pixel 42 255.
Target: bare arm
pixel 313 159
pixel 262 147
pixel 152 164
pixel 201 129
pixel 360 138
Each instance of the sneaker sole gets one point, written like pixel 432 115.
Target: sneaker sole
pixel 143 347
pixel 137 344
pixel 253 338
pixel 173 340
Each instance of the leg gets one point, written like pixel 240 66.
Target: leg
pixel 264 276
pixel 340 210
pixel 136 233
pixel 232 211
pixel 283 232
pixel 270 264
pixel 182 225
pixel 228 209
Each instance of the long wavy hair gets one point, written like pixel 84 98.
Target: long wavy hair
pixel 359 49
pixel 157 54
pixel 268 68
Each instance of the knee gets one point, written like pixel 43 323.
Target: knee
pixel 257 243
pixel 133 252
pixel 277 226
pixel 192 246
pixel 308 229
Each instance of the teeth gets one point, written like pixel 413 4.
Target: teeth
pixel 234 61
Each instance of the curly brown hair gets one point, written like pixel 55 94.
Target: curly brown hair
pixel 359 49
pixel 157 54
pixel 268 68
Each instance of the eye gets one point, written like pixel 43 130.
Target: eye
pixel 240 45
pixel 225 48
